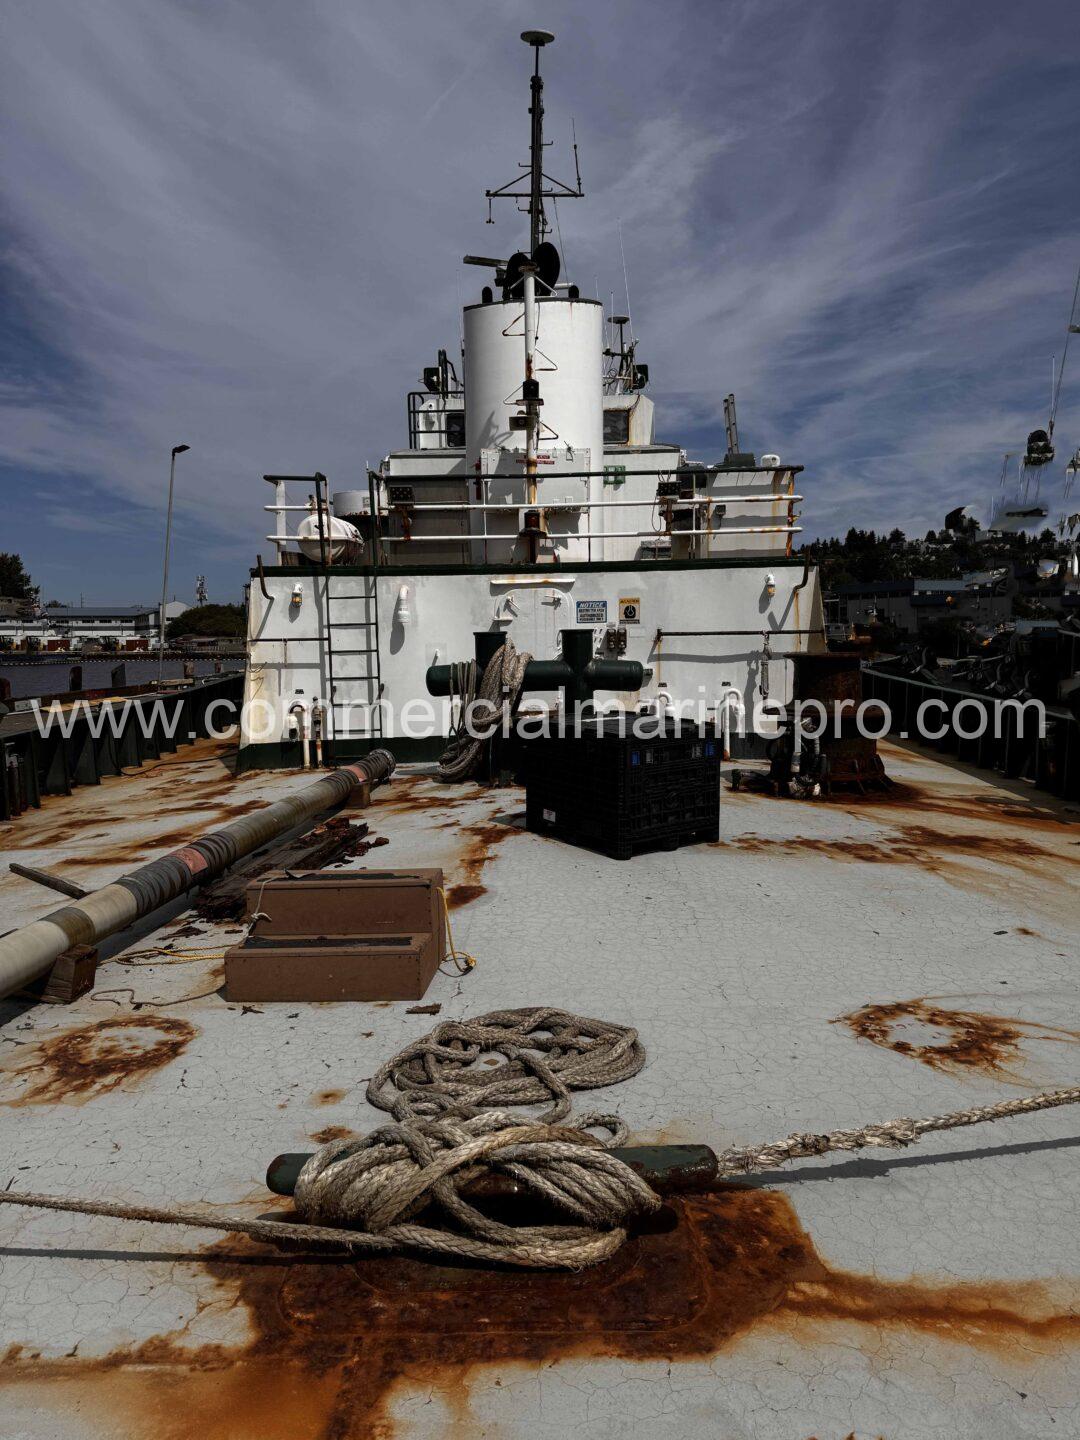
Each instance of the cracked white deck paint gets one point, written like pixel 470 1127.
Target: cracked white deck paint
pixel 731 962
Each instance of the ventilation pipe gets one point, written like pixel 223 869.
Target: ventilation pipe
pixel 318 725
pixel 299 713
pixel 27 953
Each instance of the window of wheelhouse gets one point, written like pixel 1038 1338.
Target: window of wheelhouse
pixel 617 427
pixel 455 429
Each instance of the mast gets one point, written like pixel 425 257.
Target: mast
pixel 537 219
pixel 540 186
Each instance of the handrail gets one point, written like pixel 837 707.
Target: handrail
pixel 767 498
pixel 710 503
pixel 604 535
pixel 415 408
pixel 674 468
pixel 760 632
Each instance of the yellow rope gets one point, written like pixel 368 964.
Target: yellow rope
pixel 158 955
pixel 461 958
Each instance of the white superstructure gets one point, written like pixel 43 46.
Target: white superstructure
pixel 533 497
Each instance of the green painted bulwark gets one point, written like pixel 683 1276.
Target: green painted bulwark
pixel 412 751
pixel 289 755
pixel 766 561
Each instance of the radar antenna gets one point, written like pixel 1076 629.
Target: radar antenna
pixel 541 186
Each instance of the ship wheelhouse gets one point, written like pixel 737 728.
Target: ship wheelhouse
pixel 532 498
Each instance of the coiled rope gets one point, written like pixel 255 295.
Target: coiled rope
pixel 448 1129
pixel 480 715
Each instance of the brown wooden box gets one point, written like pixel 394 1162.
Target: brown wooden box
pixel 373 967
pixel 353 902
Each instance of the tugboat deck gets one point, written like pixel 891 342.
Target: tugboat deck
pixel 825 964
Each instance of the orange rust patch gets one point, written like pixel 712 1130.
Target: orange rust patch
pixel 328 1097
pixel 959 857
pixel 77 1065
pixel 968 804
pixel 481 842
pixel 197 809
pixel 143 848
pixel 423 792
pixel 959 1040
pixel 906 845
pixel 351 1337
pixel 333 1132
pixel 459 895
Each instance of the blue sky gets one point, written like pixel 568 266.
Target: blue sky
pixel 237 224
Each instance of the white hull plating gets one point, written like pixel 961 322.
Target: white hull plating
pixel 430 619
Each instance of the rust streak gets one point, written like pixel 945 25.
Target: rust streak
pixel 965 804
pixel 421 792
pixel 481 842
pixel 906 845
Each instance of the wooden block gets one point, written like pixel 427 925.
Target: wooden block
pixel 352 902
pixel 291 968
pixel 360 797
pixel 72 975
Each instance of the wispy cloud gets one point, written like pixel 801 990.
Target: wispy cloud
pixel 239 227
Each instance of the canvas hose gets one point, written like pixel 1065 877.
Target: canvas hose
pixel 496 698
pixel 449 1125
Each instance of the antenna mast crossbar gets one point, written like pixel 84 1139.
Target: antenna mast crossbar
pixel 538 191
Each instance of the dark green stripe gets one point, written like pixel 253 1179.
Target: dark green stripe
pixel 624 567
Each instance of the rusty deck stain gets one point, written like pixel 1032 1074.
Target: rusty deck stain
pixel 481 841
pixel 958 1040
pixel 328 1097
pixel 905 845
pixel 334 1341
pixel 333 1132
pixel 962 802
pixel 1036 860
pixel 410 793
pixel 91 1060
pixel 965 833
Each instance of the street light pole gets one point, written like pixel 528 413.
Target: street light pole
pixel 176 450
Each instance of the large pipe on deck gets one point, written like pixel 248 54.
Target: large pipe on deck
pixel 27 953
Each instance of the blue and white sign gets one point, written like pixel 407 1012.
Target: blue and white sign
pixel 591 612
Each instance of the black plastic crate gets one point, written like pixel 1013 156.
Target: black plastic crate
pixel 623 794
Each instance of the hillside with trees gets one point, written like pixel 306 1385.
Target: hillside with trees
pixel 228 622
pixel 863 556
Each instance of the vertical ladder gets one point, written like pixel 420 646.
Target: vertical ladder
pixel 367 674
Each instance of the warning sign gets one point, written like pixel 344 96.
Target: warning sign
pixel 630 610
pixel 591 612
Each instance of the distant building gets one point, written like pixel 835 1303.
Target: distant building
pixel 74 627
pixel 983 597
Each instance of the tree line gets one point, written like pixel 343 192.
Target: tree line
pixel 863 556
